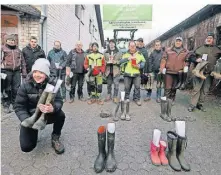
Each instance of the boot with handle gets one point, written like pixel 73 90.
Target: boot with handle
pixel 115 112
pixel 111 163
pixel 42 121
pixel 198 71
pixel 123 115
pixel 31 120
pixel 127 110
pixel 180 80
pixel 217 70
pixel 99 163
pixel 155 148
pixel 172 138
pixel 181 146
pixel 164 107
pixel 163 158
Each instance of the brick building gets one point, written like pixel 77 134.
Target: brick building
pixel 195 28
pixel 66 23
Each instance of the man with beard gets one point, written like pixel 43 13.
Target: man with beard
pixel 58 58
pixel 75 64
pixel 112 57
pixel 207 53
pixel 12 63
pixel 32 52
pixel 95 63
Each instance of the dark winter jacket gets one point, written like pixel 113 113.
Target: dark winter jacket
pixel 213 52
pixel 143 50
pixel 75 61
pixel 28 96
pixel 12 59
pixel 31 55
pixel 154 60
pixel 58 56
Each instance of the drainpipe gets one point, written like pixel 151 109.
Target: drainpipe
pixel 41 22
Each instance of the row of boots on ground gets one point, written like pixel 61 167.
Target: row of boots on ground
pixel 124 113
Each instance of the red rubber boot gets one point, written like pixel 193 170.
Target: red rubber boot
pixel 163 158
pixel 154 155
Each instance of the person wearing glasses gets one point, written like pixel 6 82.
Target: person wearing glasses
pixel 32 52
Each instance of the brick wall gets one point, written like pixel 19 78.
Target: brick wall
pixel 63 25
pixel 28 27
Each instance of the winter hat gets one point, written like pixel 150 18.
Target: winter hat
pixel 140 40
pixel 96 44
pixel 10 37
pixel 42 65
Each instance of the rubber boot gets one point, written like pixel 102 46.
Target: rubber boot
pixel 154 155
pixel 181 146
pixel 56 144
pixel 183 85
pixel 151 81
pixel 217 70
pixel 41 122
pixel 169 107
pixel 99 163
pixel 180 80
pixel 198 71
pixel 172 138
pixel 164 106
pixel 31 120
pixel 111 164
pixel 163 158
pixel 123 115
pixel 128 110
pixel 115 112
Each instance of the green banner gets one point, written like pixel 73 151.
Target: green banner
pixel 127 16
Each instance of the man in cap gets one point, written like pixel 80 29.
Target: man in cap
pixel 207 53
pixel 112 57
pixel 13 65
pixel 174 60
pixel 32 52
pixel 75 64
pixel 95 63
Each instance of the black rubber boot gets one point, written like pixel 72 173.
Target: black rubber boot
pixel 181 146
pixel 56 144
pixel 183 85
pixel 128 110
pixel 99 163
pixel 115 112
pixel 42 121
pixel 163 113
pixel 111 164
pixel 180 80
pixel 31 120
pixel 123 115
pixel 169 108
pixel 172 138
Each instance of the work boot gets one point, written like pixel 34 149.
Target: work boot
pixel 41 122
pixel 200 107
pixel 111 164
pixel 154 154
pixel 163 158
pixel 180 80
pixel 172 138
pixel 163 113
pixel 91 101
pixel 191 108
pixel 115 112
pixel 181 146
pixel 183 85
pixel 217 70
pixel 198 71
pixel 56 144
pixel 99 163
pixel 123 114
pixel 169 107
pixel 108 98
pixel 29 122
pixel 127 110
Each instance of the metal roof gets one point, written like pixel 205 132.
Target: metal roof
pixel 29 9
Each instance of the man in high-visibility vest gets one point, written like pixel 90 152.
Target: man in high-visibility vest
pixel 131 63
pixel 95 64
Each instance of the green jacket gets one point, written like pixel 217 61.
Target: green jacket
pixel 126 65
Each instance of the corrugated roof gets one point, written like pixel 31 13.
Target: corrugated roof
pixel 29 9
